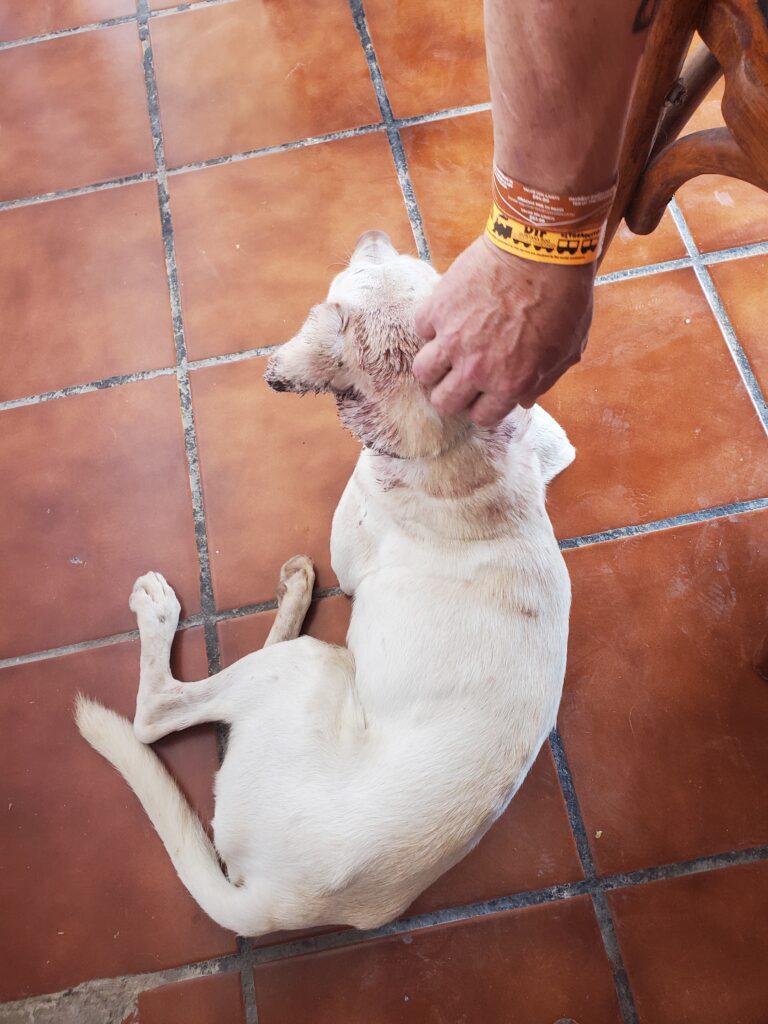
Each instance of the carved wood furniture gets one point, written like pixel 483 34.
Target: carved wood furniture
pixel 655 161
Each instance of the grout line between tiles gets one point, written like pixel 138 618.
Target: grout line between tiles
pixel 441 115
pixel 738 354
pixel 104 384
pixel 246 609
pixel 87 645
pixel 515 901
pixel 63 33
pixel 393 132
pixel 684 519
pixel 233 357
pixel 249 956
pixel 247 982
pixel 99 995
pixel 117 380
pixel 79 190
pixel 92 26
pixel 738 252
pixel 448 915
pixel 599 902
pixel 316 140
pixel 207 601
pixel 342 133
pixel 240 611
pixel 270 605
pixel 193 5
pixel 683 868
pixel 647 271
pixel 281 147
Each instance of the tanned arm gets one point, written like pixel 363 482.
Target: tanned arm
pixel 501 329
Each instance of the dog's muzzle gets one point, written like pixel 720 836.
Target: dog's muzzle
pixel 276 383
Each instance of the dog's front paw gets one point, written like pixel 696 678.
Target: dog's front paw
pixel 298 572
pixel 155 605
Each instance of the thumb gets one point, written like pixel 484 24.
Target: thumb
pixel 424 326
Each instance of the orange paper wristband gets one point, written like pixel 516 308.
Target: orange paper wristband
pixel 547 227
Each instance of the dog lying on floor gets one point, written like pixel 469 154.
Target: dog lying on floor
pixel 355 776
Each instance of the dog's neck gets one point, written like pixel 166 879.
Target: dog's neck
pixel 449 446
pixel 476 488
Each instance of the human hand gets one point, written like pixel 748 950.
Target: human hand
pixel 500 331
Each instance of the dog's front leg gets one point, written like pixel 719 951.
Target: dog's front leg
pixel 294 594
pixel 163 704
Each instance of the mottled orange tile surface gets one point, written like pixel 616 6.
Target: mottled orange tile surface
pixel 179 182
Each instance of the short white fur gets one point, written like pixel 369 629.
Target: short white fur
pixel 355 776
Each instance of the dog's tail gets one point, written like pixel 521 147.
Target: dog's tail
pixel 191 851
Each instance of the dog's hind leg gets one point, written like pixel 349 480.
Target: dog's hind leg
pixel 164 705
pixel 294 593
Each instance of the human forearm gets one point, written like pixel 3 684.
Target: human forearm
pixel 505 322
pixel 561 75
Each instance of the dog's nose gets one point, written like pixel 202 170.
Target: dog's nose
pixel 274 380
pixel 374 235
pixel 373 241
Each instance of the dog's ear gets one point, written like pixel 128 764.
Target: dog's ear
pixel 386 344
pixel 314 360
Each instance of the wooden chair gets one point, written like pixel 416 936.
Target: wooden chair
pixel 654 161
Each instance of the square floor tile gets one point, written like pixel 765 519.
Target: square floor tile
pixel 431 53
pixel 450 166
pixel 721 211
pixel 252 74
pixel 536 966
pixel 95 493
pixel 217 999
pixel 74 112
pixel 627 249
pixel 20 19
pixel 743 287
pixel 663 715
pixel 327 619
pixel 530 847
pixel 660 418
pixel 694 947
pixel 85 880
pixel 252 265
pixel 274 467
pixel 83 290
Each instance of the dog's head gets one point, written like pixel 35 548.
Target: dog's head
pixel 360 344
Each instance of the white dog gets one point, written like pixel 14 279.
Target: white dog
pixel 355 776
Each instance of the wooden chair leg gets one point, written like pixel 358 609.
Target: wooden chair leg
pixel 654 162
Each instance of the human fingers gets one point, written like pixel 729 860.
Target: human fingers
pixel 546 382
pixel 431 364
pixel 453 394
pixel 424 326
pixel 488 409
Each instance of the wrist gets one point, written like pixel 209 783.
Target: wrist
pixel 509 263
pixel 595 172
pixel 535 224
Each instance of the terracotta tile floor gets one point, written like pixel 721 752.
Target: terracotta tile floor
pixel 628 881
